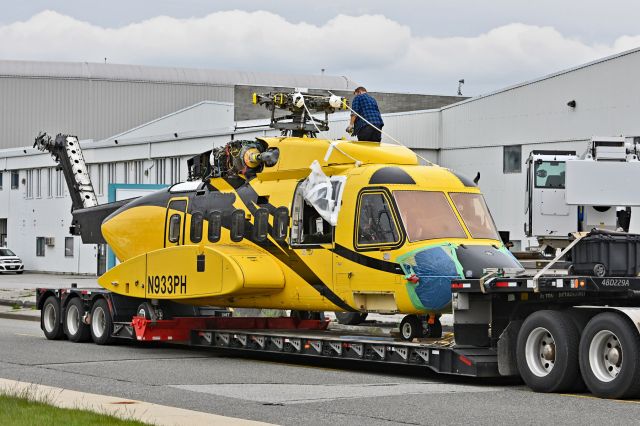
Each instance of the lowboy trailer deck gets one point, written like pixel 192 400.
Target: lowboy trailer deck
pixel 558 333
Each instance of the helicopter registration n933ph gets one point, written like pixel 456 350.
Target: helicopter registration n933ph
pixel 301 223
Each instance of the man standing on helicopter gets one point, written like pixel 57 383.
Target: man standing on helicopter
pixel 365 106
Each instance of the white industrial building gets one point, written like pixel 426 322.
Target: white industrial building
pixel 492 134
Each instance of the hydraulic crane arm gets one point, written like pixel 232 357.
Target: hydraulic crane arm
pixel 87 214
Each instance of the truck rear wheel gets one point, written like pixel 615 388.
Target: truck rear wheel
pixel 101 323
pixel 610 357
pixel 75 329
pixel 547 351
pixel 50 319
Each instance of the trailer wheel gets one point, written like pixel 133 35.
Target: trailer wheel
pixel 75 329
pixel 610 357
pixel 351 318
pixel 547 351
pixel 599 270
pixel 101 323
pixel 51 319
pixel 411 327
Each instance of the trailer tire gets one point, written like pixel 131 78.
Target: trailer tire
pixel 51 319
pixel 610 357
pixel 547 352
pixel 351 318
pixel 75 329
pixel 101 323
pixel 411 327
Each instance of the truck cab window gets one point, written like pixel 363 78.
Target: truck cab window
pixel 550 174
pixel 376 223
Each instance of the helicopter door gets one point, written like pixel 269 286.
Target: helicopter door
pixel 312 238
pixel 174 228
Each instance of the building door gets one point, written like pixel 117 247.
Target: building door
pixel 174 228
pixel 3 232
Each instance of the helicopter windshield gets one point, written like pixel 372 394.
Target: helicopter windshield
pixel 475 215
pixel 427 215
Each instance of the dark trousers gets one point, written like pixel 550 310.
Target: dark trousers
pixel 368 133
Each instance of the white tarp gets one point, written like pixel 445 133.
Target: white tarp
pixel 324 193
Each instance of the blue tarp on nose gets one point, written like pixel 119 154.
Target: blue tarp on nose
pixel 435 268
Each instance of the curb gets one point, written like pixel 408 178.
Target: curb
pixel 18 316
pixel 23 303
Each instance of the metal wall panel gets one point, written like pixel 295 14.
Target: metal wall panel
pixel 88 108
pixel 607 97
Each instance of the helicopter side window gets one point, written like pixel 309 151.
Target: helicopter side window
pixel 196 227
pixel 237 225
pixel 376 224
pixel 280 223
pixel 261 225
pixel 174 228
pixel 215 224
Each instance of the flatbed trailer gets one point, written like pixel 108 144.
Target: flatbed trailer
pixel 558 333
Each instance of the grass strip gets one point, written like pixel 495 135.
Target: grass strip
pixel 16 410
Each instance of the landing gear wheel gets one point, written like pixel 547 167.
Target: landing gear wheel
pixel 147 311
pixel 599 270
pixel 571 270
pixel 434 330
pixel 411 327
pixel 610 357
pixel 351 318
pixel 547 352
pixel 50 319
pixel 74 327
pixel 101 323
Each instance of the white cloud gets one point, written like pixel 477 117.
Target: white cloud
pixel 371 49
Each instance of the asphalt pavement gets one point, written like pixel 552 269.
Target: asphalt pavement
pixel 288 391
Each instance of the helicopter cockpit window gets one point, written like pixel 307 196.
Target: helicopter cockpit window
pixel 376 224
pixel 174 228
pixel 215 224
pixel 427 215
pixel 196 227
pixel 237 225
pixel 475 215
pixel 549 174
pixel 280 223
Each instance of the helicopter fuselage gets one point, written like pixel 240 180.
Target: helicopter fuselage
pixel 403 230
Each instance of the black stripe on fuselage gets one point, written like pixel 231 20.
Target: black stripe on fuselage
pixel 369 262
pixel 282 251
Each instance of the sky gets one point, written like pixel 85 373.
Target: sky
pixel 403 45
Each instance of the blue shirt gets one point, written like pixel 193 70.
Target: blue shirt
pixel 367 107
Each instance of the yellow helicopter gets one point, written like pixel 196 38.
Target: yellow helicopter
pixel 301 223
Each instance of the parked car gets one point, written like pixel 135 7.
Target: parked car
pixel 9 262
